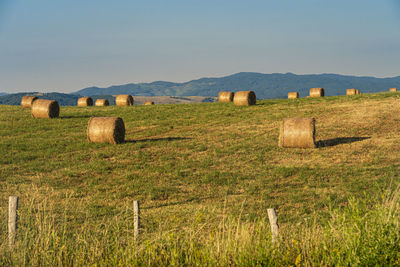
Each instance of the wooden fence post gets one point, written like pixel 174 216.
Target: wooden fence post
pixel 273 220
pixel 12 219
pixel 136 218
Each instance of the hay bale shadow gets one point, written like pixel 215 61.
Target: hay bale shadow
pixel 157 139
pixel 339 141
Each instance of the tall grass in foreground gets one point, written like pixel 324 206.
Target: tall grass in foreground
pixel 359 234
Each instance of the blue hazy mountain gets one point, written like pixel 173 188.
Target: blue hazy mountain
pixel 274 85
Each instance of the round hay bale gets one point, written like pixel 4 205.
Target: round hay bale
pixel 244 98
pixel 317 92
pixel 102 102
pixel 43 108
pixel 27 101
pixel 225 97
pixel 85 102
pixel 123 100
pixel 146 103
pixel 297 132
pixel 393 90
pixel 106 130
pixel 351 91
pixel 357 92
pixel 293 95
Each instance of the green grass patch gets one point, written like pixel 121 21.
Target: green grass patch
pixel 182 161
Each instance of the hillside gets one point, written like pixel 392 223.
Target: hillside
pixel 71 100
pixel 63 99
pixel 205 175
pixel 266 86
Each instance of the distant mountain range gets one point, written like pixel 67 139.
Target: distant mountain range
pixel 274 85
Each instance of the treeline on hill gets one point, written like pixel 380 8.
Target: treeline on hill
pixel 62 99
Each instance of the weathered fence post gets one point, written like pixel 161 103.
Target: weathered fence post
pixel 12 219
pixel 273 220
pixel 136 218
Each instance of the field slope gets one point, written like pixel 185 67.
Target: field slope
pixel 192 167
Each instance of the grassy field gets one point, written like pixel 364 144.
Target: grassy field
pixel 204 174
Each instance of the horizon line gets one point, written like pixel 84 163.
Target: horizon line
pixel 207 77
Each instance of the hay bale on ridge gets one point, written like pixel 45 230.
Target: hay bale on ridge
pixel 106 130
pixel 244 98
pixel 146 103
pixel 351 91
pixel 293 95
pixel 317 92
pixel 85 101
pixel 225 97
pixel 393 90
pixel 123 100
pixel 27 101
pixel 102 102
pixel 297 133
pixel 43 108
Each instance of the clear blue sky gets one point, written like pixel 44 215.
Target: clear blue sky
pixel 51 45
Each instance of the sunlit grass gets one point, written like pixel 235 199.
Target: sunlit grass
pixel 183 161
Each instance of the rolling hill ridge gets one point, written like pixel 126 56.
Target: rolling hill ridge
pixel 274 85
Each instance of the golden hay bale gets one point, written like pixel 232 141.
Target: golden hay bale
pixel 106 130
pixel 102 102
pixel 351 91
pixel 357 92
pixel 317 92
pixel 393 90
pixel 146 103
pixel 293 95
pixel 123 100
pixel 297 132
pixel 244 98
pixel 85 102
pixel 43 108
pixel 27 101
pixel 225 97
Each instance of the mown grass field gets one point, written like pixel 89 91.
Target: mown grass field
pixel 193 167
